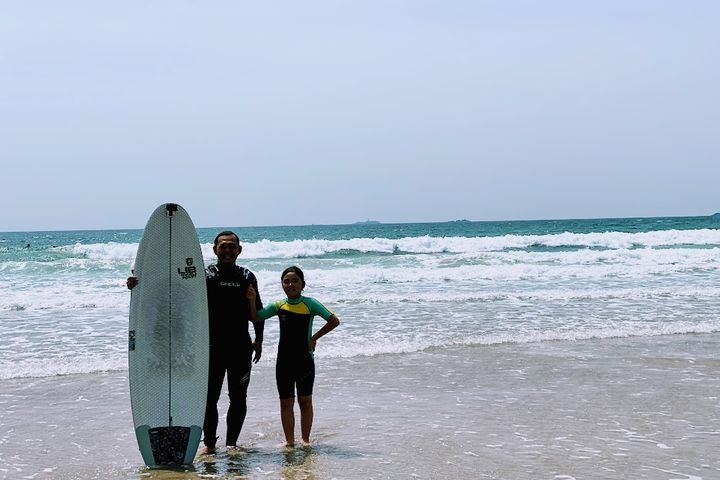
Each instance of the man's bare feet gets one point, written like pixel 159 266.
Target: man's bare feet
pixel 207 451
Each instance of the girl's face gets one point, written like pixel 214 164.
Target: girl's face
pixel 292 285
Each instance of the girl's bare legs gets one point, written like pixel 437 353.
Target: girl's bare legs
pixel 287 417
pixel 306 418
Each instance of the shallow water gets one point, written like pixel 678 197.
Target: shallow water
pixel 643 408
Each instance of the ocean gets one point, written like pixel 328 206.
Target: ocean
pixel 521 349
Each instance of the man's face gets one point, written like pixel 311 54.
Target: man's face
pixel 227 249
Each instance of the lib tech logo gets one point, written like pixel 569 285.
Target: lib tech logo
pixel 189 272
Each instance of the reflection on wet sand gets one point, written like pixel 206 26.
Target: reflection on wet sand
pixel 299 464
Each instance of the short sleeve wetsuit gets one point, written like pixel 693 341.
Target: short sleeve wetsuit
pixel 295 365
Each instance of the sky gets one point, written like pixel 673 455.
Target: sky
pixel 333 111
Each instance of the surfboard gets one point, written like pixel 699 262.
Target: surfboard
pixel 168 339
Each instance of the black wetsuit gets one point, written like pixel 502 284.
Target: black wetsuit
pixel 230 346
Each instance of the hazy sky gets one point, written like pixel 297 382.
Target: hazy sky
pixel 299 112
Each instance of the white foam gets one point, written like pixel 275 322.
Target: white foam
pixel 70 365
pixel 534 270
pixel 408 344
pixel 103 252
pixel 87 351
pixel 680 293
pixel 585 273
pixel 426 244
pixel 108 294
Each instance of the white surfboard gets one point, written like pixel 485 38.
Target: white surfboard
pixel 168 339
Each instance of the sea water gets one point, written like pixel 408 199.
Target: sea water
pixel 457 339
pixel 400 287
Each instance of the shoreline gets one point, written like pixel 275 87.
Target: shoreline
pixel 641 407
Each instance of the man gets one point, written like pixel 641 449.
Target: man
pixel 231 349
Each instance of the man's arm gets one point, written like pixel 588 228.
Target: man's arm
pixel 258 325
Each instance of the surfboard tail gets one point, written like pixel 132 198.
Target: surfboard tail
pixel 168 445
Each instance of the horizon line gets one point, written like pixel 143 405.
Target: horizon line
pixel 376 222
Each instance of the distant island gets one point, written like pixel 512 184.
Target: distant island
pixel 367 222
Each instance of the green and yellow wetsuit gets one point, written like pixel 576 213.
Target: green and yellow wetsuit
pixel 295 366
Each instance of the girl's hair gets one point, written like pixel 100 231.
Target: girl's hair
pixel 296 271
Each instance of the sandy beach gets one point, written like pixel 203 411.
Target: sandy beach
pixel 643 408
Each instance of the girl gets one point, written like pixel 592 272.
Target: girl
pixel 295 367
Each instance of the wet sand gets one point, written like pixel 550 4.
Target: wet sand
pixel 641 408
